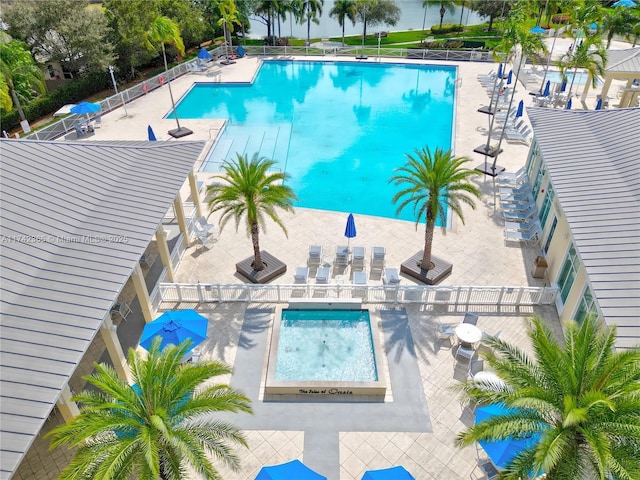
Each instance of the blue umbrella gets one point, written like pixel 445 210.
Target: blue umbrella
pixel 593 26
pixel 203 54
pixel 85 107
pixel 538 29
pixel 350 229
pixel 599 104
pixel 502 452
pixel 174 327
pixel 500 71
pixel 625 3
pixel 520 109
pixel 152 136
pixel 563 86
pixel 569 104
pixel 546 89
pixel 294 469
pixel 393 473
pixel 510 77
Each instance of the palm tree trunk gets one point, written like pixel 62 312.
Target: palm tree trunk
pixel 461 12
pixel 257 259
pixel 16 102
pixel 428 244
pixel 441 16
pixel 308 29
pixel 343 33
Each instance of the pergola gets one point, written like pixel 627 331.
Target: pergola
pixel 621 65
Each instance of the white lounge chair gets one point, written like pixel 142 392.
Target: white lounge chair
pixel 522 226
pixel 205 226
pixel 357 262
pixel 513 179
pixel 391 276
pixel 522 216
pixel 531 236
pixel 509 207
pixel 377 258
pixel 315 256
pixel 342 256
pixel 301 275
pixel 322 275
pixel 519 137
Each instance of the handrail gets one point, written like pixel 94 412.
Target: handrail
pixel 496 296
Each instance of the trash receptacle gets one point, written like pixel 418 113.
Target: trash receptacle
pixel 539 267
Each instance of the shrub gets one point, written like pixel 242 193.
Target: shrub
pixel 447 28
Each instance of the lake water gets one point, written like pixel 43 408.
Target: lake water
pixel 411 18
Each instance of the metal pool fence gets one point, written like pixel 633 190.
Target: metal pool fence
pixel 401 294
pixel 65 125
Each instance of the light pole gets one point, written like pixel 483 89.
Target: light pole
pixel 115 87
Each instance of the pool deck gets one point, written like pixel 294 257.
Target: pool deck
pixel 343 439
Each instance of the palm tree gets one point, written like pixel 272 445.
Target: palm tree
pixel 251 191
pixel 164 30
pixel 342 10
pixel 620 21
pixel 445 6
pixel 21 76
pixel 578 394
pixel 229 16
pixel 429 181
pixel 589 55
pixel 310 11
pixel 158 428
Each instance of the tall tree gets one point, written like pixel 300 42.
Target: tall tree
pixel 491 9
pixel 311 10
pixel 21 76
pixel 157 428
pixel 68 32
pixel 250 192
pixel 429 180
pixel 621 21
pixel 384 12
pixel 229 16
pixel 342 10
pixel 189 15
pixel 588 54
pixel 444 5
pixel 364 8
pixel 578 394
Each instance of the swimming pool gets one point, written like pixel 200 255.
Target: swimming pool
pixel 556 77
pixel 324 348
pixel 339 129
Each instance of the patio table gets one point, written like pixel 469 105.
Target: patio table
pixel 468 334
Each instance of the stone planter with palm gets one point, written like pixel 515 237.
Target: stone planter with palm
pixel 159 428
pixel 430 181
pixel 251 192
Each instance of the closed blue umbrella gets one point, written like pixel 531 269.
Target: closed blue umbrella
pixel 152 136
pixel 502 452
pixel 563 86
pixel 546 89
pixel 599 104
pixel 510 77
pixel 520 109
pixel 203 54
pixel 393 473
pixel 294 469
pixel 500 71
pixel 350 229
pixel 569 104
pixel 625 3
pixel 174 327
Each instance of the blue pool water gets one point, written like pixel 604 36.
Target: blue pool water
pixel 339 129
pixel 325 345
pixel 556 77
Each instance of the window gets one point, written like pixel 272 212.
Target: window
pixel 568 273
pixel 551 232
pixel 586 307
pixel 537 184
pixel 546 205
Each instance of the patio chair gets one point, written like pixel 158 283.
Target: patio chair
pixel 522 189
pixel 445 332
pixel 523 216
pixel 490 471
pixel 512 207
pixel 301 275
pixel 342 256
pixel 205 226
pixel 377 258
pixel 97 121
pixel 322 275
pixel 147 259
pixel 519 137
pixel 357 262
pixel 360 281
pixel 508 177
pixel 390 276
pixel 465 353
pixel 202 235
pixel 471 318
pixel 120 310
pixel 315 256
pixel 522 226
pixel 79 130
pixel 475 366
pixel 524 197
pixel 531 236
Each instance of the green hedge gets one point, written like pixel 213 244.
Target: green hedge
pixel 71 92
pixel 447 28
